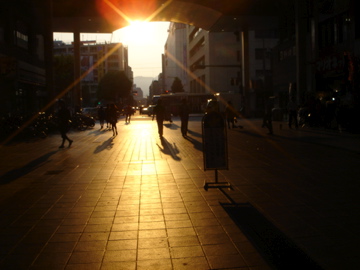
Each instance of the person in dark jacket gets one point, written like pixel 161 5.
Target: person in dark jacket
pixel 267 120
pixel 107 116
pixel 184 117
pixel 64 118
pixel 101 115
pixel 159 113
pixel 230 115
pixel 292 109
pixel 128 112
pixel 113 117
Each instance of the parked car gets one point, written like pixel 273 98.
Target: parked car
pixel 144 110
pixel 150 110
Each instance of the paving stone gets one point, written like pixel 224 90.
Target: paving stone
pixel 136 202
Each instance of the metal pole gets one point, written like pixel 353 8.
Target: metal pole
pixel 245 70
pixel 49 44
pixel 77 85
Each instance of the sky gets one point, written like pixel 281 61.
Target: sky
pixel 145 43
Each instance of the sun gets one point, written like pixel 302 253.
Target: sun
pixel 137 32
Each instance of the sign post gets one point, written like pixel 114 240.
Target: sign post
pixel 215 150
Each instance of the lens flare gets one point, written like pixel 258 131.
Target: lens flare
pixel 121 12
pixel 138 32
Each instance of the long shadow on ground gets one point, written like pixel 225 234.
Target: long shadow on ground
pixel 19 172
pixel 279 251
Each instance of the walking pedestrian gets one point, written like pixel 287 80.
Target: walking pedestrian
pixel 184 117
pixel 267 120
pixel 231 114
pixel 159 113
pixel 128 113
pixel 64 118
pixel 101 115
pixel 112 116
pixel 107 116
pixel 292 109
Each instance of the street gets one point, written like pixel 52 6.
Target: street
pixel 137 202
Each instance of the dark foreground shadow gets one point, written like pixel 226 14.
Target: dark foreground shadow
pixel 278 250
pixel 195 134
pixel 96 132
pixel 169 149
pixel 197 145
pixel 108 144
pixel 19 172
pixel 171 126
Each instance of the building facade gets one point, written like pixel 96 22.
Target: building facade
pixel 216 60
pixel 24 84
pixel 95 61
pixel 155 88
pixel 316 62
pixel 176 57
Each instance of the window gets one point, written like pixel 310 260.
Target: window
pixel 194 33
pixel 197 64
pixel 113 65
pixel 21 40
pixel 238 56
pixel 197 47
pixel 334 30
pixel 260 54
pixel 270 33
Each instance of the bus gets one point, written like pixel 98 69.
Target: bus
pixel 197 101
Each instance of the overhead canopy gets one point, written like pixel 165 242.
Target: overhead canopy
pixel 106 16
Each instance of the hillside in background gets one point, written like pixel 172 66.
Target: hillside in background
pixel 143 83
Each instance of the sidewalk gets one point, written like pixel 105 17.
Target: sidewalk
pixel 138 202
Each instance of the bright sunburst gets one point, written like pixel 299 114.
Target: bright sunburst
pixel 138 32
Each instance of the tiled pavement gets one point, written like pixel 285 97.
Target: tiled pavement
pixel 136 202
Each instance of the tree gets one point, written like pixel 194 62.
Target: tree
pixel 177 86
pixel 114 85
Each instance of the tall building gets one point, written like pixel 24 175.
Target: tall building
pixel 138 95
pixel 155 88
pixel 176 57
pixel 23 59
pixel 316 62
pixel 96 60
pixel 261 42
pixel 216 61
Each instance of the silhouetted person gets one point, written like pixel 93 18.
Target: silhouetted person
pixel 128 113
pixel 107 116
pixel 101 115
pixel 230 115
pixel 64 118
pixel 159 112
pixel 267 121
pixel 184 117
pixel 292 109
pixel 112 116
